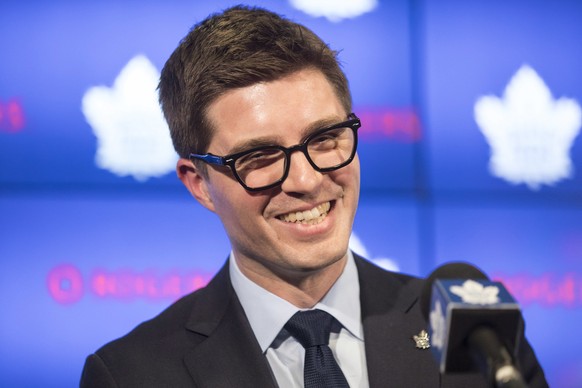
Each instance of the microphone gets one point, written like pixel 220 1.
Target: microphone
pixel 475 324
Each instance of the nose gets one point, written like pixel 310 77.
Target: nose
pixel 302 178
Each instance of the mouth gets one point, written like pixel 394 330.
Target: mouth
pixel 308 217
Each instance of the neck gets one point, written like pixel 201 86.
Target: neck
pixel 302 288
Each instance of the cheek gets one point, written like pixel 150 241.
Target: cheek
pixel 237 209
pixel 355 165
pixel 349 176
pixel 355 172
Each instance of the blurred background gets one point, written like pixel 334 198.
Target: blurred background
pixel 470 150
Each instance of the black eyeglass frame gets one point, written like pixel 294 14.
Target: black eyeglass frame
pixel 353 123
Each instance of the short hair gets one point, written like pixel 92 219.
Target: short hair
pixel 239 47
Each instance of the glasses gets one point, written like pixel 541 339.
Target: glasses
pixel 265 167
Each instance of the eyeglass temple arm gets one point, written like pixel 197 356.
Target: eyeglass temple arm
pixel 209 158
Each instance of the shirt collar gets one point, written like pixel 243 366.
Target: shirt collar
pixel 267 313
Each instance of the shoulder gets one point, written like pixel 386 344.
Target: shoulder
pixel 146 353
pixel 154 349
pixel 170 326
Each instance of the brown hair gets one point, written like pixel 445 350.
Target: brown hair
pixel 236 48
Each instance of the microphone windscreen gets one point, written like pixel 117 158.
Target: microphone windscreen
pixel 453 270
pixel 461 301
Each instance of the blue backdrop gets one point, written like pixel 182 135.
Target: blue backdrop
pixel 88 251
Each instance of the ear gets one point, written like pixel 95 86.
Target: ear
pixel 195 181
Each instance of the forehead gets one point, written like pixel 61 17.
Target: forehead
pixel 279 112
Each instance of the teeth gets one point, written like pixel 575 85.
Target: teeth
pixel 310 217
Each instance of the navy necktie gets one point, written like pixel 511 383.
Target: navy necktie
pixel 311 328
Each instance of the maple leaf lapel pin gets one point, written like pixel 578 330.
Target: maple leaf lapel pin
pixel 421 340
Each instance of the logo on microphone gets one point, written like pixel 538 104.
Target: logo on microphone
pixel 132 135
pixel 473 292
pixel 437 325
pixel 530 132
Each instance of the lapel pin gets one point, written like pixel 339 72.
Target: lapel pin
pixel 422 341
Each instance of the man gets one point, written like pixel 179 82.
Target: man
pixel 260 114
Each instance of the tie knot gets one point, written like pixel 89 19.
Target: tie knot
pixel 310 328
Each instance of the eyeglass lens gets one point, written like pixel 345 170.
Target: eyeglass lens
pixel 266 166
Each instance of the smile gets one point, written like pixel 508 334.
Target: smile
pixel 309 217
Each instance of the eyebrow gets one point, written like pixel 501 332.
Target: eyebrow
pixel 275 140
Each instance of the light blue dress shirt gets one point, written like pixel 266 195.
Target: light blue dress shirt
pixel 268 313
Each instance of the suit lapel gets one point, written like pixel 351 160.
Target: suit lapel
pixel 391 317
pixel 228 354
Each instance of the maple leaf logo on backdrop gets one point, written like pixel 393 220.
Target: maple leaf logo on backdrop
pixel 356 245
pixel 530 132
pixel 335 10
pixel 132 135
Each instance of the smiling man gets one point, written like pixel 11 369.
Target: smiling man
pixel 291 239
pixel 260 114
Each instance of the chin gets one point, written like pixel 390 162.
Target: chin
pixel 323 258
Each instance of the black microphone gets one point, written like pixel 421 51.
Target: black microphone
pixel 475 324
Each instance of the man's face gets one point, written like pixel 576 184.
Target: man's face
pixel 264 240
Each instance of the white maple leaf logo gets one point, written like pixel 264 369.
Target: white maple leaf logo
pixel 530 132
pixel 132 135
pixel 437 323
pixel 357 245
pixel 473 292
pixel 335 10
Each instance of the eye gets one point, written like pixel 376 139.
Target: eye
pixel 328 139
pixel 259 158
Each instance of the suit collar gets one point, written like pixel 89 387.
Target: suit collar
pixel 228 355
pixel 398 291
pixel 211 304
pixel 391 317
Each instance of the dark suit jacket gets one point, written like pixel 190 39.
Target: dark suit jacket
pixel 205 340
